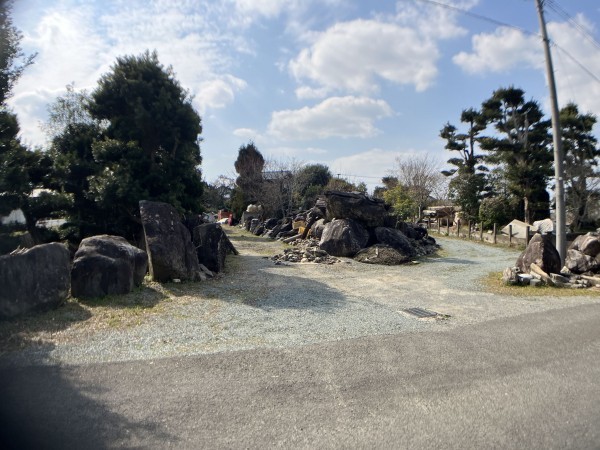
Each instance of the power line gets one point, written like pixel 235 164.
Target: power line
pixel 565 15
pixel 553 5
pixel 479 16
pixel 572 58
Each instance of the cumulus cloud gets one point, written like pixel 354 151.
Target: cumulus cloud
pixel 431 21
pixel 506 48
pixel 247 134
pixel 501 51
pixel 574 83
pixel 354 57
pixel 218 93
pixel 79 41
pixel 335 117
pixel 368 166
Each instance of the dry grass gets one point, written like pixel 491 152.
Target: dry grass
pixel 77 317
pixel 83 317
pixel 493 283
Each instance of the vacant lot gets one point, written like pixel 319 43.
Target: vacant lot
pixel 256 303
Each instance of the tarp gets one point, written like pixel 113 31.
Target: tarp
pixel 519 227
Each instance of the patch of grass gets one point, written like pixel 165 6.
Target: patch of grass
pixel 83 316
pixel 493 282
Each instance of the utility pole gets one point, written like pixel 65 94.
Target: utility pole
pixel 559 189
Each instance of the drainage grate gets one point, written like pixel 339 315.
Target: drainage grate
pixel 421 313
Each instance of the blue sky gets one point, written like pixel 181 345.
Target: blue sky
pixel 348 83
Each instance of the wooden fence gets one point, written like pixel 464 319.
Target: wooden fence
pixel 474 231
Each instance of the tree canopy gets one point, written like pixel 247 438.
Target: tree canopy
pixel 150 149
pixel 21 170
pixel 581 152
pixel 468 184
pixel 520 147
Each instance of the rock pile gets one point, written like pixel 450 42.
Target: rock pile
pixel 305 251
pixel 344 224
pixel 540 263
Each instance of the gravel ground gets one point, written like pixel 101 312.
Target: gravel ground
pixel 259 304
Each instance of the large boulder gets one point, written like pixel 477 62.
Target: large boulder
pixel 171 253
pixel 343 237
pixel 212 246
pixel 381 254
pixel 395 239
pixel 106 265
pixel 578 262
pixel 34 279
pixel 371 212
pixel 316 230
pixel 541 251
pixel 588 244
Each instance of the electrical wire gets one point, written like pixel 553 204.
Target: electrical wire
pixel 550 3
pixel 574 23
pixel 479 16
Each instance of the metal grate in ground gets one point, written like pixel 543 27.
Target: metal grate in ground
pixel 421 313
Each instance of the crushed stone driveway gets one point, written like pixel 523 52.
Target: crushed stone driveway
pixel 258 304
pixel 309 356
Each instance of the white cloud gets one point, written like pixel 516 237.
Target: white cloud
pixel 247 133
pixel 501 51
pixel 573 83
pixel 506 49
pixel 432 21
pixel 354 57
pixel 368 166
pixel 306 92
pixel 265 8
pixel 79 41
pixel 304 154
pixel 334 117
pixel 218 93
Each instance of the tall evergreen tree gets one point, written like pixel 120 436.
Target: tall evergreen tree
pixel 520 148
pixel 151 150
pixel 249 165
pixel 582 154
pixel 468 184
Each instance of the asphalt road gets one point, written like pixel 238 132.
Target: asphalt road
pixel 530 381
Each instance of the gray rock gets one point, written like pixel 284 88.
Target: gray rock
pixel 541 251
pixel 171 253
pixel 578 262
pixel 317 228
pixel 381 254
pixel 395 239
pixel 106 265
pixel 212 246
pixel 510 275
pixel 343 237
pixel 588 244
pixel 34 279
pixel 371 212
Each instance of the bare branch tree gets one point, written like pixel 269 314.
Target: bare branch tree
pixel 421 176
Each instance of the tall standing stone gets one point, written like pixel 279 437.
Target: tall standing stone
pixel 171 253
pixel 541 251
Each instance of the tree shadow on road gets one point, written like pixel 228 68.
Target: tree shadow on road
pixel 49 407
pixel 256 281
